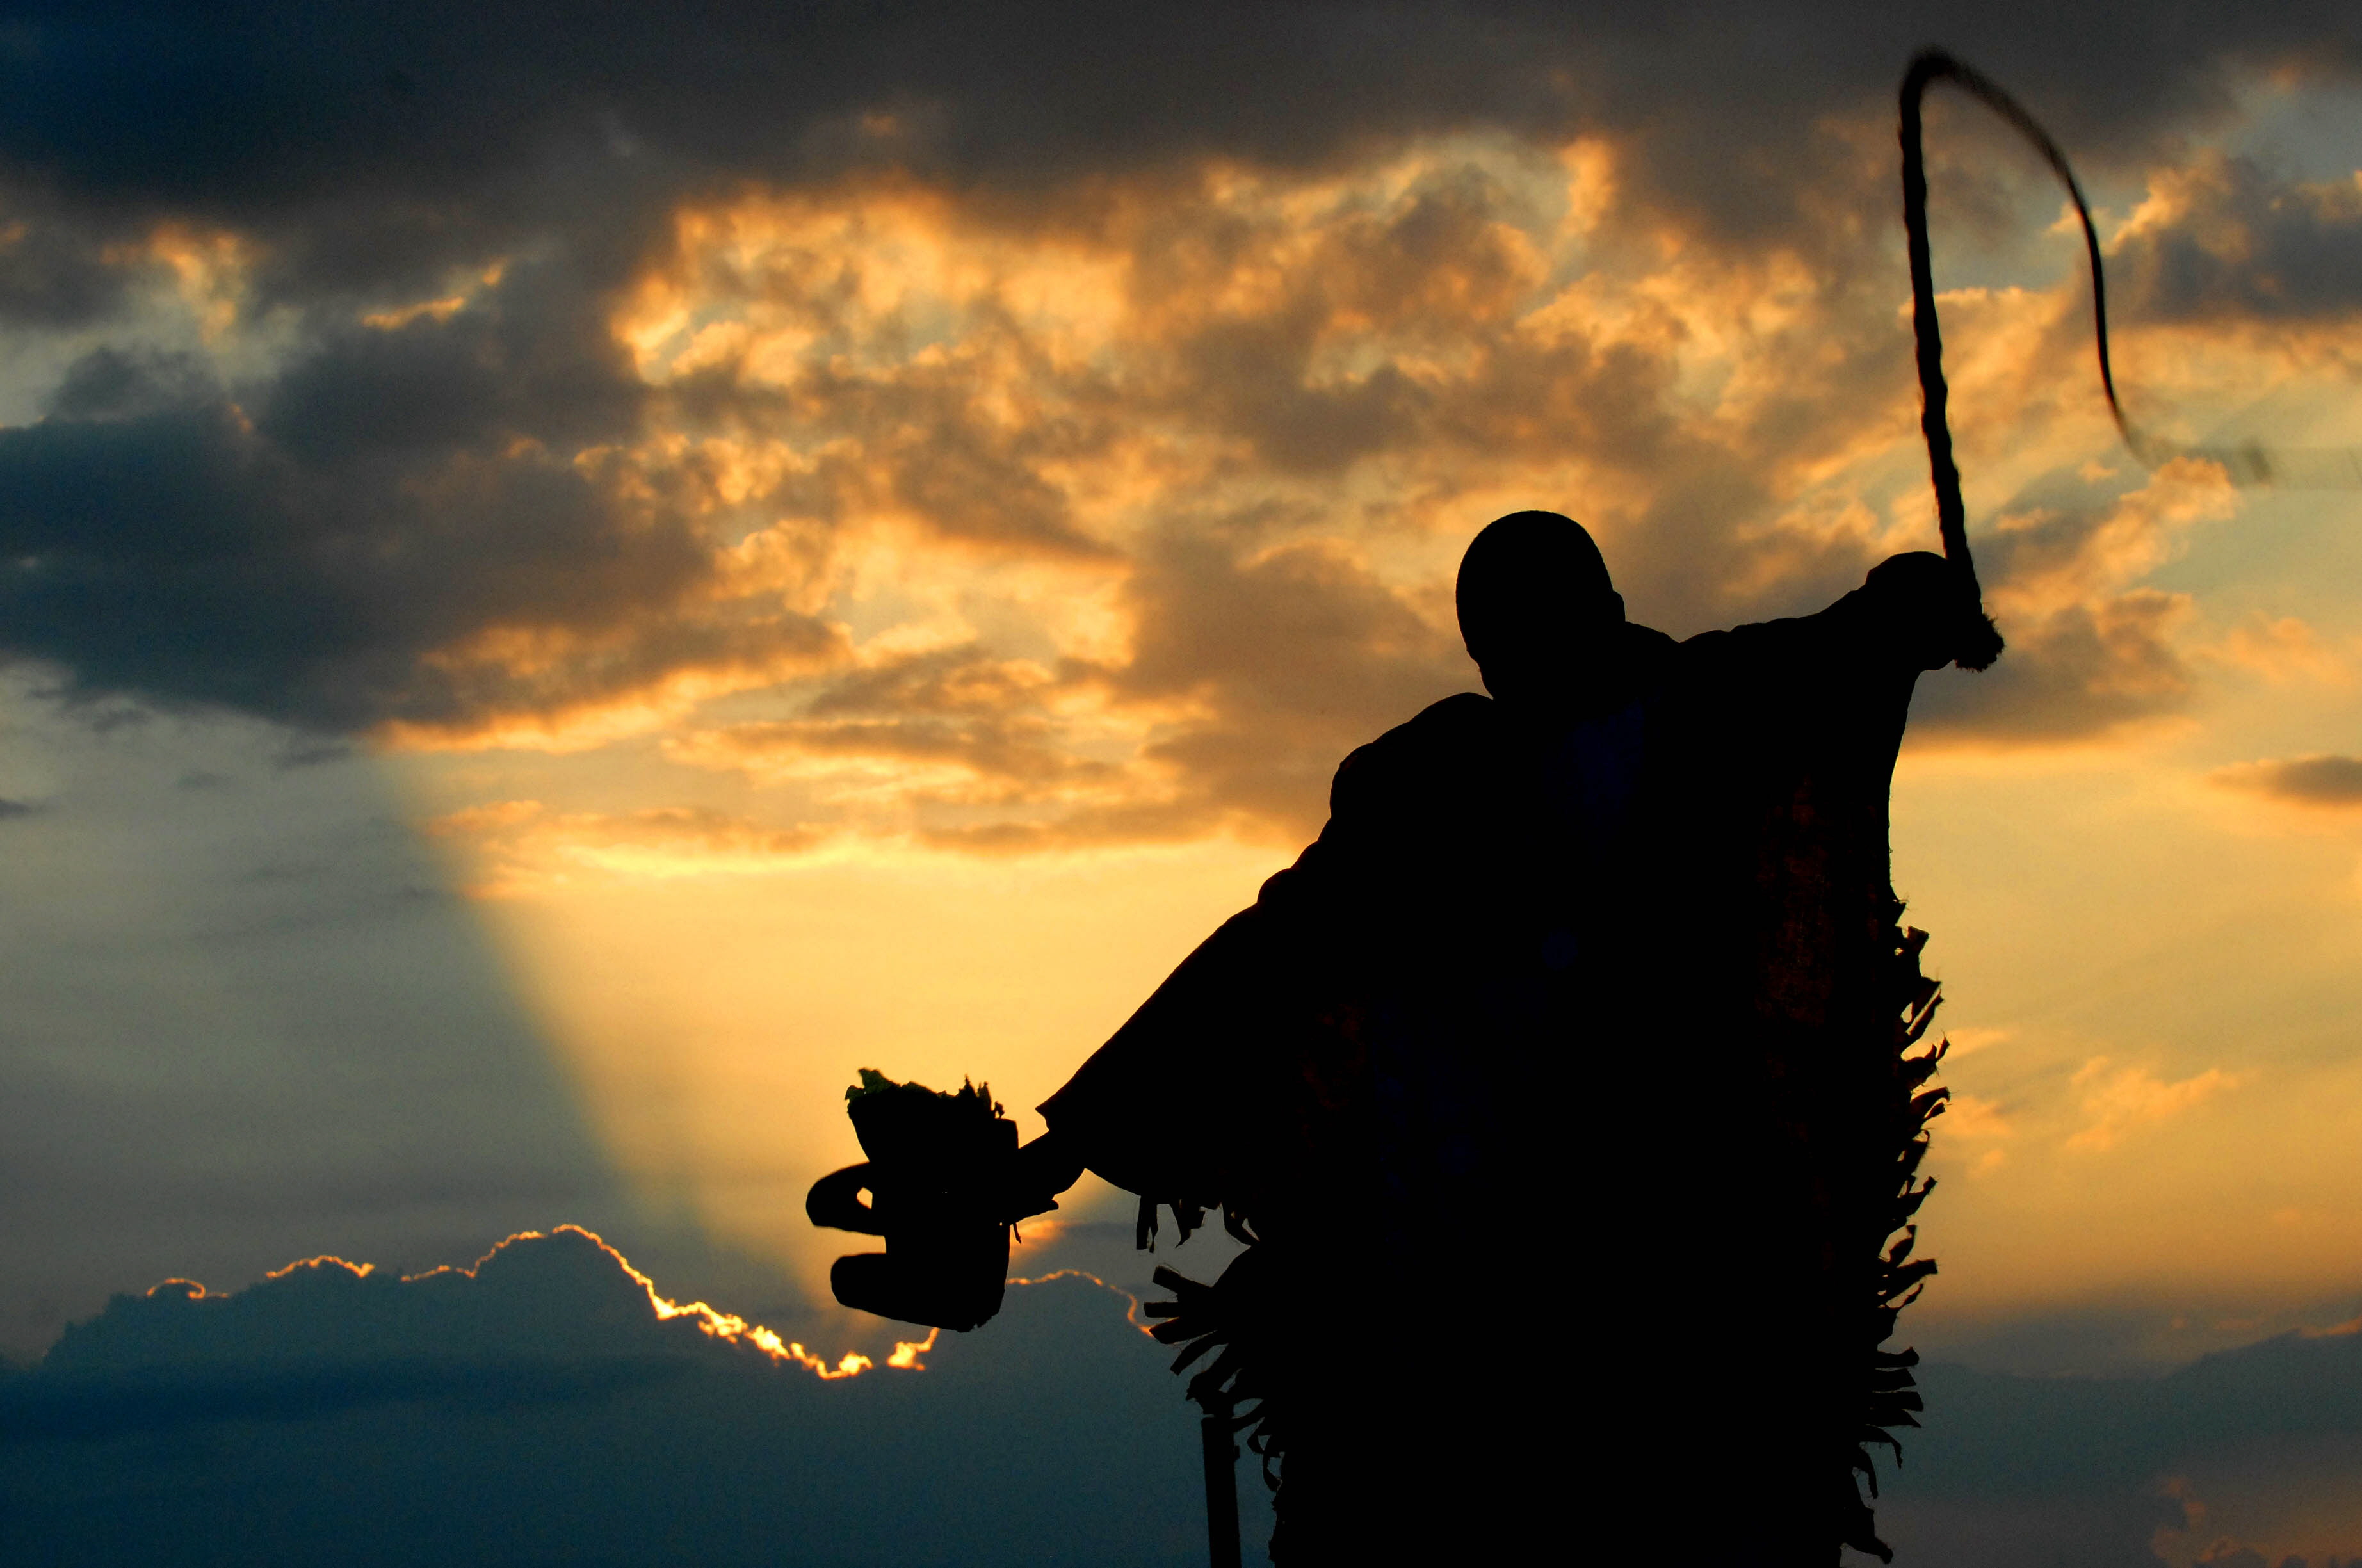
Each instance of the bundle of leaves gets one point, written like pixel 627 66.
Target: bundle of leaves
pixel 969 1095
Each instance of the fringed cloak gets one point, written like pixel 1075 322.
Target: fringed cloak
pixel 1563 1082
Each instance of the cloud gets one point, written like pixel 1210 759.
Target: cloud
pixel 529 847
pixel 558 1300
pixel 2223 239
pixel 952 726
pixel 54 272
pixel 2324 780
pixel 1971 1120
pixel 2118 1101
pixel 454 395
pixel 2283 650
pixel 371 125
pixel 1249 673
pixel 1290 656
pixel 2089 652
pixel 549 1403
pixel 2045 559
pixel 2135 1471
pixel 161 542
pixel 2073 674
pixel 1967 1116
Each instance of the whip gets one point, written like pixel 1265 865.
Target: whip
pixel 2248 463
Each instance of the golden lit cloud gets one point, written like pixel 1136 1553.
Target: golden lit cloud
pixel 1166 482
pixel 726 1328
pixel 1968 1117
pixel 2061 562
pixel 2117 1102
pixel 526 848
pixel 2284 649
pixel 2322 782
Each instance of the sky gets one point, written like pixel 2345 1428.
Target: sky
pixel 569 579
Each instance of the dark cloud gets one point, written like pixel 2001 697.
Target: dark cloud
pixel 2088 652
pixel 159 543
pixel 427 111
pixel 522 365
pixel 55 274
pixel 314 755
pixel 2069 1471
pixel 10 809
pixel 551 1318
pixel 2239 243
pixel 2074 674
pixel 434 504
pixel 539 1409
pixel 2324 780
pixel 109 384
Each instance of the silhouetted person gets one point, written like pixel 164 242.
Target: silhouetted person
pixel 1537 1079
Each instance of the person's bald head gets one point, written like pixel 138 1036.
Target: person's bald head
pixel 1536 604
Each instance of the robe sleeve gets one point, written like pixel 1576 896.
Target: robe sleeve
pixel 1198 1082
pixel 1773 786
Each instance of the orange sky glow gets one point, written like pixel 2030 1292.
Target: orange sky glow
pixel 1037 617
pixel 1015 570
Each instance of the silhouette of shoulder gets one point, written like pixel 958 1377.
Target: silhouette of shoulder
pixel 1158 1108
pixel 1415 759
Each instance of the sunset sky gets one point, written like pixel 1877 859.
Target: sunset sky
pixel 571 576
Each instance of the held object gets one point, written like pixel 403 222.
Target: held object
pixel 940 1176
